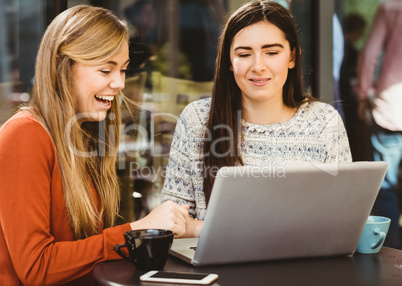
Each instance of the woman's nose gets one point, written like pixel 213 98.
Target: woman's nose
pixel 258 64
pixel 117 82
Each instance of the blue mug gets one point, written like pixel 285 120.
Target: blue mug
pixel 373 236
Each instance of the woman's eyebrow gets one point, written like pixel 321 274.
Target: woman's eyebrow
pixel 115 64
pixel 264 46
pixel 272 45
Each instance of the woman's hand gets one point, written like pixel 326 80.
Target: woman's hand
pixel 168 215
pixel 363 109
pixel 193 228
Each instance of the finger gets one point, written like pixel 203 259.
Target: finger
pixel 179 231
pixel 177 219
pixel 180 220
pixel 183 209
pixel 186 207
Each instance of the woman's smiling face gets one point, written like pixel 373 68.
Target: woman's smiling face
pixel 260 56
pixel 96 86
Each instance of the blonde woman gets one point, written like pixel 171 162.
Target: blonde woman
pixel 59 194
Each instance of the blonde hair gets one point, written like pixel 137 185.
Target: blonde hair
pixel 89 35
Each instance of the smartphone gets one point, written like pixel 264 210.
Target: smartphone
pixel 179 277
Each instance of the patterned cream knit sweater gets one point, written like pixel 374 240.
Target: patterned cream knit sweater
pixel 315 134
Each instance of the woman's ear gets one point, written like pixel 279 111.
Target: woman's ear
pixel 292 59
pixel 231 68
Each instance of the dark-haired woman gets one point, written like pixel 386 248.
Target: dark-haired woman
pixel 258 115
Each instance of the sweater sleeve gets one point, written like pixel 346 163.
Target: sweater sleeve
pixel 29 174
pixel 336 139
pixel 183 173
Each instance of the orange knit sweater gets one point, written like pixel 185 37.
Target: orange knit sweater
pixel 37 246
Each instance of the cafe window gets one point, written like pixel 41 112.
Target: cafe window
pixel 172 51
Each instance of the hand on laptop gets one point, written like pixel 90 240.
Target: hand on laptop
pixel 168 215
pixel 193 228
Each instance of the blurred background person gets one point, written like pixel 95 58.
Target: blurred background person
pixel 383 97
pixel 353 27
pixel 198 25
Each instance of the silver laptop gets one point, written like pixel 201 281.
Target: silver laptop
pixel 272 213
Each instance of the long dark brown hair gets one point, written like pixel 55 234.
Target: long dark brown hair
pixel 226 103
